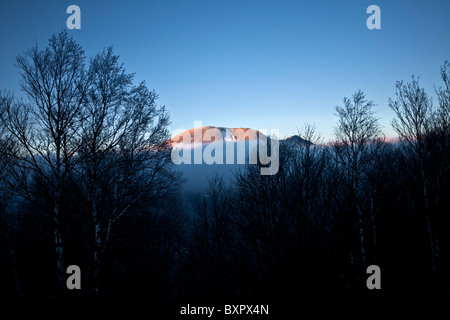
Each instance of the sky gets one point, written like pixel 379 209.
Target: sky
pixel 257 64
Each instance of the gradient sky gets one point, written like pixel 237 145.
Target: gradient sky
pixel 257 64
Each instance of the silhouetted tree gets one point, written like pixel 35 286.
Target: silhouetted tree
pixel 6 150
pixel 46 128
pixel 414 123
pixel 122 160
pixel 358 136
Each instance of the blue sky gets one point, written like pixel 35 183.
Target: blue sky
pixel 257 64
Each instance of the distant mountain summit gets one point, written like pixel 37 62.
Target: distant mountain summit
pixel 234 149
pixel 295 139
pixel 228 135
pixel 206 135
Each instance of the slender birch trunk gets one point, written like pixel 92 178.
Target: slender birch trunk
pixel 58 246
pixel 97 249
pixel 429 226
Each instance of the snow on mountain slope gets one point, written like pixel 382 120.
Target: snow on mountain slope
pixel 232 150
pixel 203 134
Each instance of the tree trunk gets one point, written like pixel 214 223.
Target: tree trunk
pixel 97 246
pixel 360 218
pixel 361 233
pixel 374 229
pixel 429 227
pixel 12 253
pixel 61 274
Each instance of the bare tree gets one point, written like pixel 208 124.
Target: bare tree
pixel 7 148
pixel 414 124
pixel 443 94
pixel 122 160
pixel 46 128
pixel 358 135
pixel 309 164
pixel 441 128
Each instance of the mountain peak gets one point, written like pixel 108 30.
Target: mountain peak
pixel 208 132
pixel 295 139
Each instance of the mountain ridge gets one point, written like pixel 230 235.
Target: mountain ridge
pixel 229 135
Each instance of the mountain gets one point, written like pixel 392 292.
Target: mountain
pixel 230 152
pixel 295 139
pixel 228 135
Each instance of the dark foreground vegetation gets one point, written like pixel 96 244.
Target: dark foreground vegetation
pixel 86 181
